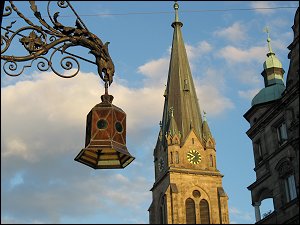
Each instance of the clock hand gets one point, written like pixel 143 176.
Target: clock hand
pixel 192 156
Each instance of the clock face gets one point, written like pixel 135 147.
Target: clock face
pixel 161 164
pixel 194 157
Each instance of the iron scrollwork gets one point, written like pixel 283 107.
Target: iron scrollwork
pixel 39 40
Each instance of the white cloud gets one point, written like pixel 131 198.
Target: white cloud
pixel 210 90
pixel 44 108
pixel 236 55
pixel 43 124
pixel 37 112
pixel 236 32
pixel 261 5
pixel 102 192
pixel 199 50
pixel 212 101
pixel 16 146
pixel 235 212
pixel 249 94
pixel 155 70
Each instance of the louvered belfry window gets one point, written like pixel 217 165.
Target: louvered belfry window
pixel 204 212
pixel 190 211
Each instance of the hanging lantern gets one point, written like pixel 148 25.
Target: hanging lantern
pixel 105 143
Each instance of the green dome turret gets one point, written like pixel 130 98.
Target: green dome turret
pixel 273 78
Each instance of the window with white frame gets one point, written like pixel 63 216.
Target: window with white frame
pixel 282 133
pixel 290 188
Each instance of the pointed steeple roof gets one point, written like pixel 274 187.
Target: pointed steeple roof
pixel 273 78
pixel 180 90
pixel 172 127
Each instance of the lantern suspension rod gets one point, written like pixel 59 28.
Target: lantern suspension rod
pixel 71 54
pixel 106 85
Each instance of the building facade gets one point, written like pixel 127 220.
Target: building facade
pixel 188 186
pixel 274 131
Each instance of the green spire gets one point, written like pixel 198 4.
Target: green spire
pixel 180 90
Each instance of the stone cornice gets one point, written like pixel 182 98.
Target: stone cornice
pixel 197 172
pixel 185 171
pixel 259 181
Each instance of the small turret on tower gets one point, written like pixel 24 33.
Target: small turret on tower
pixel 173 134
pixel 273 77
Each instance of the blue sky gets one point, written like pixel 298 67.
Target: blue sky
pixel 43 116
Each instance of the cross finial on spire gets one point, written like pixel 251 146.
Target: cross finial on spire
pixel 266 29
pixel 176 7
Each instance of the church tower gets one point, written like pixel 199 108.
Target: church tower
pixel 188 185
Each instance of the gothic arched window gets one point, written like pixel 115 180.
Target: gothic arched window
pixel 190 211
pixel 211 163
pixel 204 212
pixel 176 157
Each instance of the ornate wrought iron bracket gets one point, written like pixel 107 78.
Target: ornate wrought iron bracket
pixel 48 38
pixel 106 124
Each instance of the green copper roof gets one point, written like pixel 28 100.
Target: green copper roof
pixel 273 78
pixel 268 94
pixel 180 90
pixel 272 60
